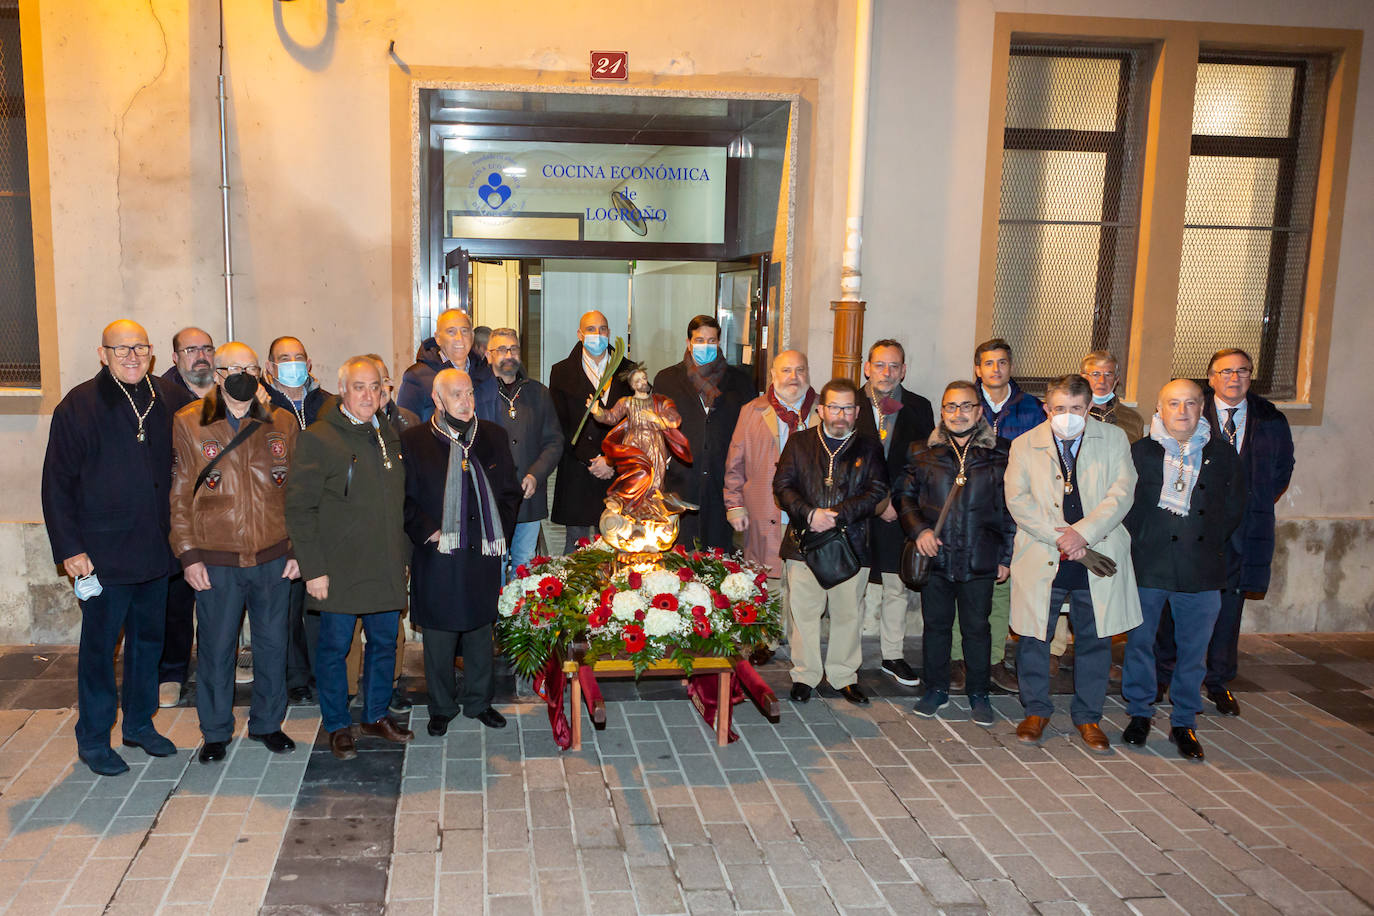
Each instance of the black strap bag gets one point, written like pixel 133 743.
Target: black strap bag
pixel 244 432
pixel 914 568
pixel 829 555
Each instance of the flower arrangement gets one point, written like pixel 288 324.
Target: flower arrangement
pixel 704 602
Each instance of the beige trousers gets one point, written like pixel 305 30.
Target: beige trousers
pixel 806 603
pixel 895 603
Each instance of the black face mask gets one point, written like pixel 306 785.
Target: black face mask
pixel 241 386
pixel 458 426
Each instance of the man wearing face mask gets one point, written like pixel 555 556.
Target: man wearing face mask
pixel 461 503
pixel 584 474
pixel 229 532
pixel 1099 368
pixel 1069 485
pixel 708 393
pixel 451 346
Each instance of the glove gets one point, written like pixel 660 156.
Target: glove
pixel 1097 564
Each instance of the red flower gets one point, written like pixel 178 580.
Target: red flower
pixel 717 552
pixel 684 574
pixel 633 635
pixel 522 571
pixel 639 615
pixel 549 587
pixel 761 579
pixel 720 600
pixel 584 542
pixel 680 550
pixel 696 556
pixel 664 602
pixel 731 566
pixel 745 614
pixel 702 627
pixel 599 616
pixel 539 560
pixel 607 594
pixel 635 580
pixel 698 612
pixel 761 597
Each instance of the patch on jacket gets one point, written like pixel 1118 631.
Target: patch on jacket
pixel 209 448
pixel 212 480
pixel 277 443
pixel 279 475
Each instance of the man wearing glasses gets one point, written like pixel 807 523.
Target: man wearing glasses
pixel 193 353
pixel 233 456
pixel 1099 368
pixel 1259 433
pixel 828 478
pixel 105 479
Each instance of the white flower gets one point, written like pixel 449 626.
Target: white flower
pixel 695 594
pixel 661 582
pixel 738 586
pixel 624 604
pixel 658 622
pixel 510 597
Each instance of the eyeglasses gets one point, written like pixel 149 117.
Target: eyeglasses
pixel 1098 375
pixel 1242 372
pixel 838 408
pixel 123 350
pixel 226 371
pixel 203 351
pixel 508 351
pixel 961 407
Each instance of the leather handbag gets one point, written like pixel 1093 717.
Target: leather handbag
pixel 914 567
pixel 829 555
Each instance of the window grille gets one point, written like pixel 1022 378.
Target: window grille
pixel 18 303
pixel 1252 179
pixel 1069 210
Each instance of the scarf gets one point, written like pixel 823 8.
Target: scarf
pixel 790 418
pixel 1182 464
pixel 453 535
pixel 1104 412
pixel 706 379
pixel 887 405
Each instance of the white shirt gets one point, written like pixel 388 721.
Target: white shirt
pixel 594 368
pixel 1242 411
pixel 996 405
pixel 783 431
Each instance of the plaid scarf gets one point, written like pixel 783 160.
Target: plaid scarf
pixel 706 379
pixel 453 535
pixel 1181 463
pixel 789 417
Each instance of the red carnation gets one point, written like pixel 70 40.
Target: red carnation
pixel 696 557
pixel 639 615
pixel 720 600
pixel 549 587
pixel 522 571
pixel 539 560
pixel 635 580
pixel 731 566
pixel 717 552
pixel 702 627
pixel 633 635
pixel 760 579
pixel 680 550
pixel 698 612
pixel 664 602
pixel 745 614
pixel 684 574
pixel 584 542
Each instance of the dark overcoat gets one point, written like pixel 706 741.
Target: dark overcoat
pixel 579 497
pixel 911 426
pixel 703 481
pixel 456 592
pixel 105 494
pixel 536 440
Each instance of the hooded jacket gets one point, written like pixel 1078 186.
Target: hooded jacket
pixel 417 383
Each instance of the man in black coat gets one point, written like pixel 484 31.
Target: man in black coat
pixel 106 477
pixel 451 345
pixel 708 393
pixel 579 496
pixel 828 478
pixel 1189 498
pixel 898 419
pixel 461 502
pixel 1260 435
pixel 971 552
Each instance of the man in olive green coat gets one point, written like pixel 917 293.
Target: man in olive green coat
pixel 345 503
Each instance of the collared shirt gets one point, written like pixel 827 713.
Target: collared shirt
pixel 354 420
pixel 995 405
pixel 783 432
pixel 594 367
pixel 1242 412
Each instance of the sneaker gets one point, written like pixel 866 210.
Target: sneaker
pixel 981 709
pixel 243 668
pixel 928 705
pixel 901 672
pixel 399 701
pixel 168 694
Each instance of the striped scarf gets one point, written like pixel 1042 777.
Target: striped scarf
pixel 1182 464
pixel 453 535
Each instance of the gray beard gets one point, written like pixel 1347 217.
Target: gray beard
pixel 199 377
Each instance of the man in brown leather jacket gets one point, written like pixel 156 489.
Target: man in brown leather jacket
pixel 232 455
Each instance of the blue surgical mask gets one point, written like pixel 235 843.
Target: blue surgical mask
pixel 595 344
pixel 1103 398
pixel 293 374
pixel 704 353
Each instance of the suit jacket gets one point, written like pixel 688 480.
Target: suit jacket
pixel 579 497
pixel 1105 477
pixel 536 441
pixel 749 467
pixel 912 425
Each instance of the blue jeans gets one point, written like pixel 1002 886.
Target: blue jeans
pixel 522 545
pixel 379 665
pixel 139 611
pixel 1092 661
pixel 219 613
pixel 1194 613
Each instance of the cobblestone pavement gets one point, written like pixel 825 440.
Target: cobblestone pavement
pixel 835 808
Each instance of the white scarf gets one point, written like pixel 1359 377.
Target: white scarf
pixel 1182 464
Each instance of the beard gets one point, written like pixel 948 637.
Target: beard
pixel 508 366
pixel 198 376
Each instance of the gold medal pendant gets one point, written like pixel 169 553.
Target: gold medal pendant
pixel 465 464
pixel 511 412
pixel 960 480
pixel 829 481
pixel 142 436
pixel 1068 488
pixel 882 434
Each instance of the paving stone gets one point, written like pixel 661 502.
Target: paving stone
pixel 656 890
pixel 697 868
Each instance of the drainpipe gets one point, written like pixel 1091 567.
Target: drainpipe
pixel 224 190
pixel 848 310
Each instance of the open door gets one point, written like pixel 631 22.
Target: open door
pixel 455 283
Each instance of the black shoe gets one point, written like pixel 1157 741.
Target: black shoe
pixel 1160 693
pixel 438 725
pixel 103 761
pixel 211 751
pixel 853 694
pixel 901 672
pixel 801 693
pixel 1189 748
pixel 1137 731
pixel 1226 702
pixel 399 701
pixel 277 742
pixel 299 696
pixel 153 744
pixel 491 718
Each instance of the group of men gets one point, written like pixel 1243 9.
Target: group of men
pixel 245 485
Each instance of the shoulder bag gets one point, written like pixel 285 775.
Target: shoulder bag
pixel 914 568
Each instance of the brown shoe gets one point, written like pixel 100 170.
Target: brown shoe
pixel 341 743
pixel 388 729
pixel 1031 728
pixel 761 656
pixel 958 675
pixel 1054 667
pixel 1003 677
pixel 1095 738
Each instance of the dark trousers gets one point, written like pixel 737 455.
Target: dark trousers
pixel 303 635
pixel 476 648
pixel 139 611
pixel 180 631
pixel 972 600
pixel 1223 649
pixel 1195 613
pixel 1092 661
pixel 379 666
pixel 571 534
pixel 219 614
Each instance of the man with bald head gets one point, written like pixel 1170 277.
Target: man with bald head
pixel 105 478
pixel 1189 498
pixel 345 503
pixel 583 473
pixel 451 346
pixel 233 456
pixel 462 498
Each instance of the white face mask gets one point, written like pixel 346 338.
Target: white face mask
pixel 1067 425
pixel 1103 398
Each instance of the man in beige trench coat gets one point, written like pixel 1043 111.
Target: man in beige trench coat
pixel 1070 482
